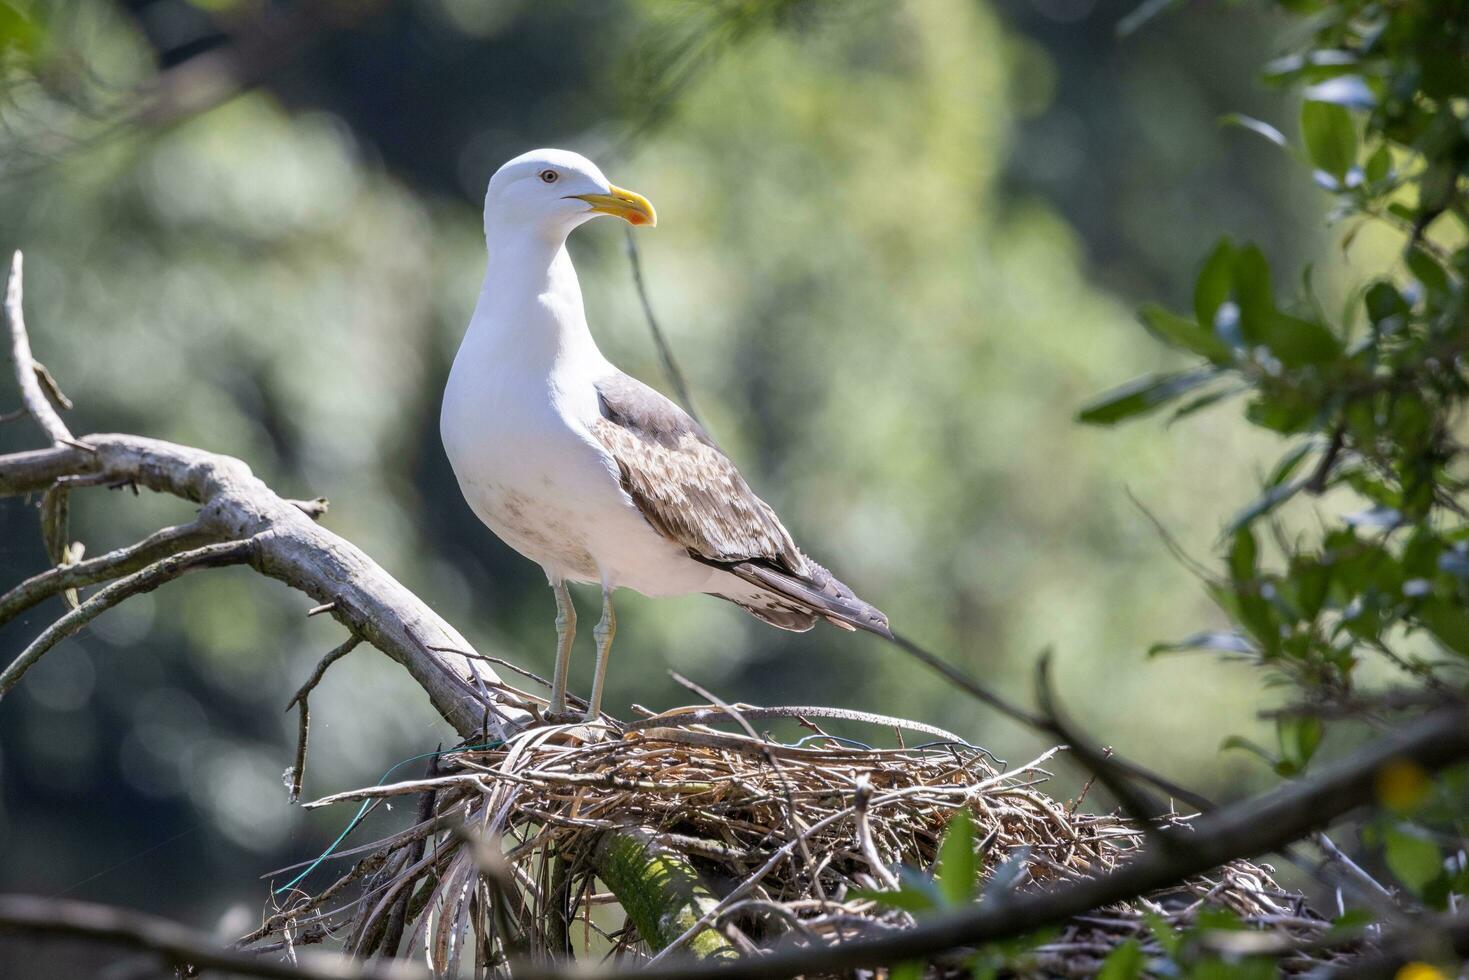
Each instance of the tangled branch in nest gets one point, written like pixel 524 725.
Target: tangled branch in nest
pixel 789 842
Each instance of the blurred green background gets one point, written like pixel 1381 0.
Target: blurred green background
pixel 899 245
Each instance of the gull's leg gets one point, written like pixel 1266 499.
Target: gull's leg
pixel 565 633
pixel 605 630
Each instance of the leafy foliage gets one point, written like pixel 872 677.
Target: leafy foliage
pixel 1371 401
pixel 958 880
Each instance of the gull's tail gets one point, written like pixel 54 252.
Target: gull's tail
pixel 795 603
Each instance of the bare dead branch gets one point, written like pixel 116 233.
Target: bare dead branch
pixel 408 787
pixel 31 393
pixel 179 946
pixel 294 550
pixel 51 386
pixel 711 715
pixel 298 771
pixel 123 561
pixel 56 530
pixel 34 470
pixel 146 580
pixel 393 930
pixel 316 675
pixel 315 509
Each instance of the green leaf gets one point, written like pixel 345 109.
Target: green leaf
pixel 1379 164
pixel 1142 396
pixel 1352 922
pixel 1164 934
pixel 1184 334
pixel 911 970
pixel 1446 620
pixel 1298 342
pixel 1215 278
pixel 1350 91
pixel 1331 137
pixel 1228 642
pixel 904 899
pixel 1126 962
pixel 1413 858
pixel 1242 556
pixel 956 869
pixel 1285 411
pixel 1256 126
pixel 1252 290
pixel 19 31
pixel 1318 63
pixel 1217 918
pixel 1245 745
pixel 1268 499
pixel 1206 400
pixel 1425 269
pixel 1298 738
pixel 1308 584
pixel 1383 301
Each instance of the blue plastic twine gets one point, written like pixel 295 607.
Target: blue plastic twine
pixel 362 811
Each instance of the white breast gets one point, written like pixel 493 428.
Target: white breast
pixel 531 469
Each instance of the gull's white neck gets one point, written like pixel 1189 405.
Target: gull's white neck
pixel 529 318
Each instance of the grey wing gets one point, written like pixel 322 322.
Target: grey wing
pixel 692 494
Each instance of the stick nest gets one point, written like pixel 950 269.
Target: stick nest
pixel 503 860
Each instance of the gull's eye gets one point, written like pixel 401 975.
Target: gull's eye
pixel 549 176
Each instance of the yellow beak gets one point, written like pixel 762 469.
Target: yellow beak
pixel 631 206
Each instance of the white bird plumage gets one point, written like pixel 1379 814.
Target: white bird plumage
pixel 586 471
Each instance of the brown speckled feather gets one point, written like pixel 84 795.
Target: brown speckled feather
pixel 692 494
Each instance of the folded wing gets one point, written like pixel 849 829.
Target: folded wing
pixel 692 494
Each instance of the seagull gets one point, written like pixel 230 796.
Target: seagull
pixel 587 471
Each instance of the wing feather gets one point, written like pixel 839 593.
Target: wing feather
pixel 684 485
pixel 692 494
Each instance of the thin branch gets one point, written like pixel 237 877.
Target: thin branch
pixel 970 686
pixel 298 771
pixel 976 690
pixel 341 651
pixel 179 946
pixel 1138 804
pixel 52 386
pixel 315 509
pixel 1316 485
pixel 393 934
pixel 683 717
pixel 146 580
pixel 665 352
pixel 1337 856
pixel 34 470
pixel 159 545
pixel 26 374
pixel 56 530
